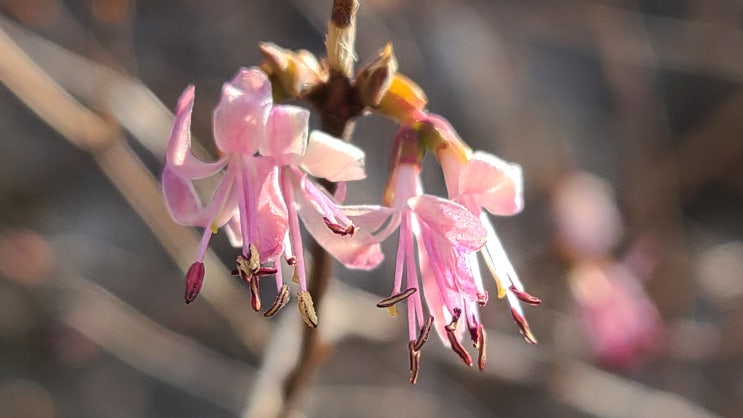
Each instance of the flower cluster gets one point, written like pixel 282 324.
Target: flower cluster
pixel 266 168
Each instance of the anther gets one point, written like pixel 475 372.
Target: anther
pixel 307 308
pixel 456 346
pixel 525 297
pixel 425 331
pixel 265 271
pixel 415 361
pixel 482 298
pixel 254 260
pixel 340 229
pixel 523 327
pixel 281 300
pixel 292 261
pixel 255 296
pixel 194 280
pixel 394 299
pixel 480 345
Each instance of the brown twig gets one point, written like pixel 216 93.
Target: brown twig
pixel 103 140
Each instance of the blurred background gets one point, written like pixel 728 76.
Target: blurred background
pixel 626 116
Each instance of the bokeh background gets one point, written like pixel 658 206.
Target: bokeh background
pixel 626 116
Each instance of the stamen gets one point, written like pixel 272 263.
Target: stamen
pixel 292 261
pixel 254 261
pixel 480 345
pixel 340 229
pixel 415 361
pixel 265 271
pixel 394 299
pixel 255 299
pixel 307 308
pixel 425 331
pixel 243 269
pixel 523 326
pixel 457 346
pixel 281 300
pixel 482 298
pixel 525 297
pixel 194 280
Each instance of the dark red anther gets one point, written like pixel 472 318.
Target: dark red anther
pixel 281 300
pixel 425 331
pixel 525 297
pixel 292 261
pixel 523 326
pixel 255 297
pixel 415 361
pixel 482 298
pixel 480 345
pixel 265 271
pixel 194 280
pixel 396 298
pixel 457 346
pixel 340 229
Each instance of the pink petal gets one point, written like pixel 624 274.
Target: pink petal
pixel 186 207
pixel 495 184
pixel 450 220
pixel 241 115
pixel 178 155
pixel 273 221
pixel 359 251
pixel 286 132
pixel 333 159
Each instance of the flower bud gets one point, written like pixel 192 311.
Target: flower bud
pixel 374 79
pixel 403 101
pixel 292 73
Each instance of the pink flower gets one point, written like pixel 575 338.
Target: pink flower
pixel 445 232
pixel 622 324
pixel 266 156
pixel 479 180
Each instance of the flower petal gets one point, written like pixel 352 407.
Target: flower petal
pixel 286 132
pixel 361 250
pixel 333 159
pixel 450 220
pixel 178 155
pixel 273 217
pixel 241 115
pixel 495 184
pixel 186 207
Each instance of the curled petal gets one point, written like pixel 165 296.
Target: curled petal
pixel 495 184
pixel 360 251
pixel 185 206
pixel 178 155
pixel 333 159
pixel 241 115
pixel 286 132
pixel 451 221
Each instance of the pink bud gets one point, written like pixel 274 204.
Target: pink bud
pixel 194 279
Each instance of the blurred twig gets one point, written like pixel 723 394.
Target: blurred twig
pixel 147 346
pixel 678 44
